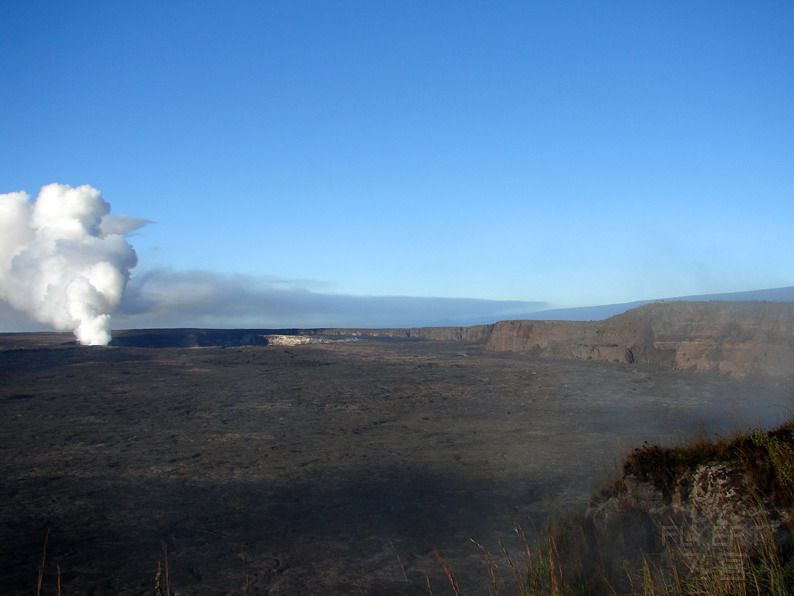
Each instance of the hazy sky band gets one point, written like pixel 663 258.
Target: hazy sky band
pixel 577 154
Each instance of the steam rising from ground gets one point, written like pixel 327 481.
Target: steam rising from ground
pixel 64 260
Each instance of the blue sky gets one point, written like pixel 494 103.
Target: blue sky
pixel 574 153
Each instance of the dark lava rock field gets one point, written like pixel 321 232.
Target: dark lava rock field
pixel 327 468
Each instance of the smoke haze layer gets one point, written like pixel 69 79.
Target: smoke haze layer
pixel 64 260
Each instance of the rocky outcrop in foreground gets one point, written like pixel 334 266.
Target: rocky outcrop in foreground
pixel 711 503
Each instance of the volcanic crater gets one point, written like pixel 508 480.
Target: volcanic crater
pixel 341 466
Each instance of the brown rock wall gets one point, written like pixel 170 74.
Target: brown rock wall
pixel 734 338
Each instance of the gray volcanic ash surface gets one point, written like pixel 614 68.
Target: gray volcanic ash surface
pixel 314 468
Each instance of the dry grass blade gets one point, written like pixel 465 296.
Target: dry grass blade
pixel 522 537
pixel 554 567
pixel 158 590
pixel 490 567
pixel 400 561
pixel 453 583
pixel 40 574
pixel 647 579
pixel 512 567
pixel 429 587
pixel 165 570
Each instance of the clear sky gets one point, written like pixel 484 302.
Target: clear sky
pixel 576 153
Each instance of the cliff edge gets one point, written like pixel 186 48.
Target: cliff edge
pixel 733 338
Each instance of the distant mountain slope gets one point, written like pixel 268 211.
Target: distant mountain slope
pixel 598 313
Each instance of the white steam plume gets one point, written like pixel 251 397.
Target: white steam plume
pixel 65 260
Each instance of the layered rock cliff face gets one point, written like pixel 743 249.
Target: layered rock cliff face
pixel 731 338
pixel 737 339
